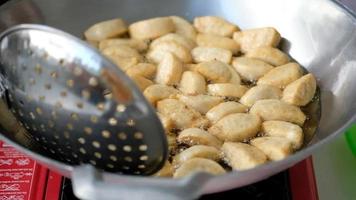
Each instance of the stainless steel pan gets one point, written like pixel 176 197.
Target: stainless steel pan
pixel 320 34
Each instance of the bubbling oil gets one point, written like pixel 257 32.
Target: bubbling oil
pixel 312 112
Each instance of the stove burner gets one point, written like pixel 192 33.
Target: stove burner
pixel 274 188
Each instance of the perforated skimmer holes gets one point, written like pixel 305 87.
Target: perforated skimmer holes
pixel 70 112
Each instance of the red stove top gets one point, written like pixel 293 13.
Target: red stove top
pixel 24 179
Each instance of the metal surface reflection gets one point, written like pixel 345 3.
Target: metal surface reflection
pixel 321 36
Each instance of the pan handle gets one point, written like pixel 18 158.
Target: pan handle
pixel 90 184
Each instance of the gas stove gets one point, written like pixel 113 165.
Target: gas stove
pixel 24 179
pixel 275 188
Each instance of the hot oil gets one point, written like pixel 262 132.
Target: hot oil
pixel 313 114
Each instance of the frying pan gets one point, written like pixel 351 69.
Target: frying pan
pixel 319 34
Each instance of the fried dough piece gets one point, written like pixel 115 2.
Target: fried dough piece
pixel 223 109
pixel 236 127
pixel 301 91
pixel 105 29
pixel 206 54
pixel 281 76
pixel 250 69
pixel 182 116
pixel 151 28
pixel 259 37
pixel 273 109
pixel 200 103
pixel 209 40
pixel 286 130
pixel 269 55
pixel 196 136
pixel 198 165
pixel 192 83
pixel 276 148
pixel 260 92
pixel 241 156
pixel 214 25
